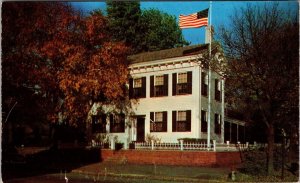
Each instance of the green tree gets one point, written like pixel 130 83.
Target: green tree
pixel 160 31
pixel 124 21
pixel 261 46
pixel 147 30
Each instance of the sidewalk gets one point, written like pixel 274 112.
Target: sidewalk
pixel 155 172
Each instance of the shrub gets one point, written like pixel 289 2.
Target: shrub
pixel 254 162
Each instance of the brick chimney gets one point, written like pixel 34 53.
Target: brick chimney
pixel 209 29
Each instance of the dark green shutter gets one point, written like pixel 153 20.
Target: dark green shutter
pixel 130 88
pixel 166 83
pixel 103 123
pixel 165 121
pixel 174 121
pixel 151 86
pixel 189 82
pixel 188 120
pixel 122 122
pixel 143 95
pixel 111 122
pixel 174 84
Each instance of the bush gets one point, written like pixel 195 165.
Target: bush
pixel 254 162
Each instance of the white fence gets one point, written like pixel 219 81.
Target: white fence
pixel 196 146
pixel 175 146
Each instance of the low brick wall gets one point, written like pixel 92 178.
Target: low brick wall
pixel 184 158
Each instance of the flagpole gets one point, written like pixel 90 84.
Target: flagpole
pixel 209 77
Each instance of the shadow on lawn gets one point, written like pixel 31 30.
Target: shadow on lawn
pixel 48 161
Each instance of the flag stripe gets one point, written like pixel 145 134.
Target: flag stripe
pixel 198 20
pixel 194 20
pixel 195 24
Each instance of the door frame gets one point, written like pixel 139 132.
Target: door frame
pixel 140 137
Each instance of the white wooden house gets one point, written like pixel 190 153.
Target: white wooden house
pixel 168 90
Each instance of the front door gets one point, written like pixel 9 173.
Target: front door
pixel 140 126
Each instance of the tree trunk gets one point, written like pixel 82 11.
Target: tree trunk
pixel 270 151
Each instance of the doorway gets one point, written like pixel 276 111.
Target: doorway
pixel 140 126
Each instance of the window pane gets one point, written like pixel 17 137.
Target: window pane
pixel 137 83
pixel 158 116
pixel 182 77
pixel 159 80
pixel 219 85
pixel 206 79
pixel 181 116
pixel 117 123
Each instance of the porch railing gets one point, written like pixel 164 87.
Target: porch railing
pixel 181 145
pixel 175 146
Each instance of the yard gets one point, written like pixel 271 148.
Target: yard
pixel 83 165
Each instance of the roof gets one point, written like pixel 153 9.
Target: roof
pixel 168 53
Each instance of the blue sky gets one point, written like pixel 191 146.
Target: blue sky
pixel 221 12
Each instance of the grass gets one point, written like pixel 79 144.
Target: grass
pixel 156 171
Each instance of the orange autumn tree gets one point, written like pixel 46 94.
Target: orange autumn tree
pixel 27 29
pixel 49 47
pixel 95 69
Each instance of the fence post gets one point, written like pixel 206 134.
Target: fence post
pixel 152 144
pixel 112 146
pixel 181 145
pixel 247 145
pixel 214 142
pixel 126 144
pixel 227 142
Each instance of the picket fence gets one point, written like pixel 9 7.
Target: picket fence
pixel 192 146
pixel 173 146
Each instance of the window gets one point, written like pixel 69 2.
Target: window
pixel 182 83
pixel 159 85
pixel 137 87
pixel 137 83
pixel 181 121
pixel 204 119
pixel 159 80
pixel 182 78
pixel 99 123
pixel 217 124
pixel 117 123
pixel 158 121
pixel 217 90
pixel 204 84
pixel 181 116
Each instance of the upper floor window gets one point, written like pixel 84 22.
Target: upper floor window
pixel 137 87
pixel 159 85
pixel 99 123
pixel 181 121
pixel 158 121
pixel 182 78
pixel 159 80
pixel 137 83
pixel 182 83
pixel 217 90
pixel 217 124
pixel 204 119
pixel 117 123
pixel 204 84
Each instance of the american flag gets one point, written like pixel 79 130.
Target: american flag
pixel 194 20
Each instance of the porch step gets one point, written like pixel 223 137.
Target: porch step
pixel 117 160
